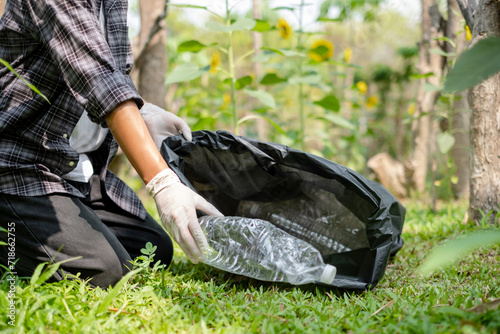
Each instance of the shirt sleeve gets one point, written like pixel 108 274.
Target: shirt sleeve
pixel 71 33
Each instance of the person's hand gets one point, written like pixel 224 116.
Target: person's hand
pixel 177 206
pixel 162 124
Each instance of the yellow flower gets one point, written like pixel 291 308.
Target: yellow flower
pixel 468 34
pixel 284 28
pixel 411 109
pixel 214 64
pixel 371 101
pixel 226 98
pixel 321 50
pixel 362 86
pixel 347 55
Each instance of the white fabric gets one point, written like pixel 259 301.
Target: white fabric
pixel 83 171
pixel 86 136
pixel 177 205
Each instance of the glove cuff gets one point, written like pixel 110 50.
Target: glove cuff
pixel 162 180
pixel 148 110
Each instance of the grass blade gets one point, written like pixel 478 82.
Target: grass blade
pixel 33 88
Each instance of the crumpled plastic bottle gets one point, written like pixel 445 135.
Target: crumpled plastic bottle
pixel 317 218
pixel 257 249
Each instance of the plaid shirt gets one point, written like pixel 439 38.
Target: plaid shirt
pixel 58 46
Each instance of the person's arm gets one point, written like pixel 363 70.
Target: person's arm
pixel 71 35
pixel 176 203
pixel 131 133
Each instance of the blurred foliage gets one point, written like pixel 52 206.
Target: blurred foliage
pixel 475 65
pixel 320 88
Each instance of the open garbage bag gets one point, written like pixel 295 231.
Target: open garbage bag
pixel 355 223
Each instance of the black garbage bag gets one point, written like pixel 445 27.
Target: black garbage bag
pixel 355 223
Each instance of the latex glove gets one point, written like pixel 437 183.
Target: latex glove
pixel 162 124
pixel 177 206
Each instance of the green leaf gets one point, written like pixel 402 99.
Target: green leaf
pixel 421 76
pixel 445 142
pixel 283 8
pixel 320 50
pixel 44 271
pixel 292 53
pixel 267 119
pixel 33 88
pixel 307 79
pixel 272 79
pixel 192 46
pixel 474 65
pixel 186 6
pixel 106 302
pixel 453 250
pixel 264 97
pixel 243 82
pixel 240 25
pixel 327 19
pixel 338 120
pixel 285 52
pixel 428 87
pixel 273 50
pixel 186 72
pixel 261 26
pixel 329 102
pixel 442 53
pixel 450 310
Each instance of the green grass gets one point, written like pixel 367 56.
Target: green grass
pixel 189 298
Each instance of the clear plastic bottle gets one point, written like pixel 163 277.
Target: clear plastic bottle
pixel 257 249
pixel 317 218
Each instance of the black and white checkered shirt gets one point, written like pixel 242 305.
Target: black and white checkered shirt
pixel 58 46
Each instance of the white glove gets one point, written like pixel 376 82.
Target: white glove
pixel 177 206
pixel 162 124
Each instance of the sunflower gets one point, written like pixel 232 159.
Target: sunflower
pixel 284 29
pixel 371 101
pixel 226 99
pixel 347 55
pixel 411 109
pixel 321 50
pixel 215 62
pixel 362 87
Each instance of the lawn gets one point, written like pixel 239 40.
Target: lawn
pixel 189 298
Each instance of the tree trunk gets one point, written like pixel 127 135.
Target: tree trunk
pixel 484 100
pixel 390 173
pixel 151 64
pixel 459 114
pixel 422 127
pixel 468 7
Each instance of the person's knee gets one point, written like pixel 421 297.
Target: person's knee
pixel 106 270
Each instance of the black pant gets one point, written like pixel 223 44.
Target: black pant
pixel 59 227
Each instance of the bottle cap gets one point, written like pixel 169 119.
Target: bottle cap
pixel 328 274
pixel 255 210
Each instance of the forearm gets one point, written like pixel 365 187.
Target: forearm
pixel 131 133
